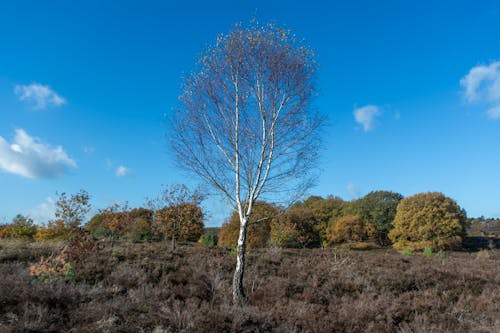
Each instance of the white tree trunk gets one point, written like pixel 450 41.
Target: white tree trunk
pixel 238 291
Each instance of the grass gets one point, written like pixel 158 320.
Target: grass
pixel 147 287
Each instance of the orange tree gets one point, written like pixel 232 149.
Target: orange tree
pixel 428 220
pixel 182 222
pixel 116 221
pixel 351 228
pixel 259 227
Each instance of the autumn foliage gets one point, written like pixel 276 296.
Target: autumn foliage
pixel 184 222
pixel 259 227
pixel 134 224
pixel 295 228
pixel 428 220
pixel 349 229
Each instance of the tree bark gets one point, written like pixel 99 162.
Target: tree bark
pixel 239 296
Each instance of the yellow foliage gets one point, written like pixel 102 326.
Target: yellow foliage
pixel 258 231
pixel 183 221
pixel 55 230
pixel 428 220
pixel 350 228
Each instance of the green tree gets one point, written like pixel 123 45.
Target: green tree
pixel 379 209
pixel 73 209
pixel 428 220
pixel 23 227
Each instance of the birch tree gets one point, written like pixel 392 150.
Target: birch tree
pixel 245 124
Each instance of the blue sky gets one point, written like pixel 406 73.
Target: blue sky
pixel 411 89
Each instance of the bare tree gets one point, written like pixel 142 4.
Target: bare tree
pixel 245 125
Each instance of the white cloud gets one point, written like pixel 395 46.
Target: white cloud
pixel 366 116
pixel 44 211
pixel 122 171
pixel 41 96
pixel 88 150
pixel 494 112
pixel 29 157
pixel 352 190
pixel 482 85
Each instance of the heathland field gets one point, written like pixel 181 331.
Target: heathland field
pixel 124 286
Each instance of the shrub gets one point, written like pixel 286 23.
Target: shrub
pixel 349 229
pixel 428 252
pixel 428 220
pixel 184 222
pixel 53 267
pixel 295 228
pixel 55 230
pixel 134 224
pixel 22 227
pixel 208 240
pixel 259 227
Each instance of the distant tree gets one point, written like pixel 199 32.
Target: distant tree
pixel 295 228
pixel 379 209
pixel 119 221
pixel 349 228
pixel 428 220
pixel 182 222
pixel 245 126
pixel 172 209
pixel 73 209
pixel 69 215
pixel 23 227
pixel 325 211
pixel 259 227
pixel 209 240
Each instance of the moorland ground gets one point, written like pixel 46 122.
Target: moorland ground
pixel 144 287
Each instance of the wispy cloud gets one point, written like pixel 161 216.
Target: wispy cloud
pixel 39 95
pixel 29 157
pixel 88 150
pixel 482 85
pixel 352 190
pixel 122 171
pixel 366 116
pixel 44 211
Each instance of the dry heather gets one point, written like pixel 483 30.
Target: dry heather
pixel 144 287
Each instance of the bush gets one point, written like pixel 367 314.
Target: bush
pixel 22 227
pixel 184 222
pixel 295 228
pixel 55 230
pixel 349 229
pixel 428 220
pixel 259 227
pixel 209 240
pixel 135 224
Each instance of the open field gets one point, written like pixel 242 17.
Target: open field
pixel 144 287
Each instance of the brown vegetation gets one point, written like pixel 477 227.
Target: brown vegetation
pixel 134 287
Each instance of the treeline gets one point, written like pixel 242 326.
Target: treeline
pixel 379 219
